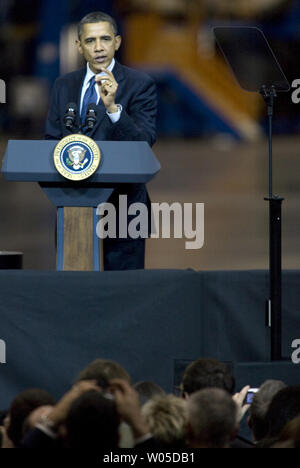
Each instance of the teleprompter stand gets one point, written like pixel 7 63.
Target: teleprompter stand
pixel 256 69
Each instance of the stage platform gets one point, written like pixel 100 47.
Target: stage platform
pixel 153 322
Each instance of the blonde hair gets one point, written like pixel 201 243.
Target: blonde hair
pixel 166 418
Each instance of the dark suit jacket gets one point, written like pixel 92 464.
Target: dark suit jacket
pixel 137 95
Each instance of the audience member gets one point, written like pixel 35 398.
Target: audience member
pixel 290 435
pixel 166 419
pixel 284 407
pixel 103 370
pixel 5 441
pixel 207 372
pixel 211 373
pixel 92 423
pixel 212 419
pixel 48 431
pixel 19 410
pixel 259 407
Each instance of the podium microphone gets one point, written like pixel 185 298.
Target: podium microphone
pixel 91 116
pixel 70 115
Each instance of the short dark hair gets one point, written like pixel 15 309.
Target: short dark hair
pixel 97 17
pixel 20 408
pixel 103 370
pixel 92 422
pixel 260 405
pixel 284 407
pixel 207 372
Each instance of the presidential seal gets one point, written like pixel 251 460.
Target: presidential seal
pixel 76 157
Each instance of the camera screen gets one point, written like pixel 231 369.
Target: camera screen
pixel 250 395
pixel 249 398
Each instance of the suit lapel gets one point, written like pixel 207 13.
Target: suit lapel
pixel 118 72
pixel 74 90
pixel 78 89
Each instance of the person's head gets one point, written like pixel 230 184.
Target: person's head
pixel 212 419
pixel 147 391
pixel 20 409
pixel 92 423
pixel 165 416
pixel 284 407
pixel 207 372
pixel 260 405
pixel 290 435
pixel 98 40
pixel 103 370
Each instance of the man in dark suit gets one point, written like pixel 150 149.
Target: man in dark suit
pixel 126 111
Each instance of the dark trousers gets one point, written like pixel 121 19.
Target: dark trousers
pixel 123 254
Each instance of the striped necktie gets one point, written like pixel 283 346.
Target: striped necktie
pixel 90 97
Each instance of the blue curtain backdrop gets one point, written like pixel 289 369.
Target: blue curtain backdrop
pixel 54 14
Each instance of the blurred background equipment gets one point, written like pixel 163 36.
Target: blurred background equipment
pixel 28 103
pixel 70 60
pixel 246 8
pixel 11 260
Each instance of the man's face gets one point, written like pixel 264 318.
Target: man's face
pixel 98 45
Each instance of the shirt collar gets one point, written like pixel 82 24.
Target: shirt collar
pixel 90 74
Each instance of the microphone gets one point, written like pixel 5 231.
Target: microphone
pixel 70 115
pixel 91 116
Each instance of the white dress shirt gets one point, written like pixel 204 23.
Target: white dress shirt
pixel 115 116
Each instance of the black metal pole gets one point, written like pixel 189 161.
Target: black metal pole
pixel 275 277
pixel 270 116
pixel 275 250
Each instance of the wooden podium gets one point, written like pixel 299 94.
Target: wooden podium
pixel 122 162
